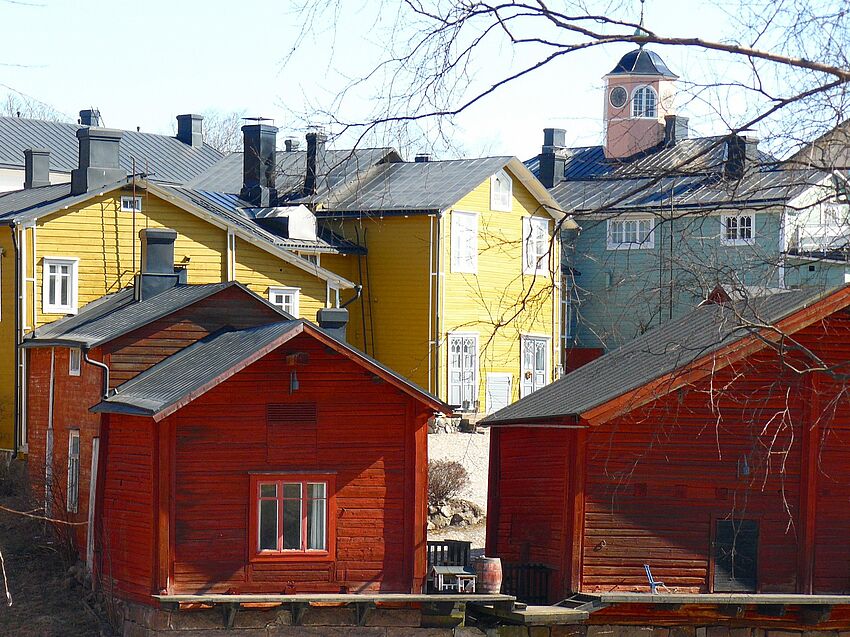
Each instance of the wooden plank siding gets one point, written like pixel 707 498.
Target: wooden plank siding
pixel 755 441
pixel 8 307
pixel 363 430
pixel 499 302
pixel 133 353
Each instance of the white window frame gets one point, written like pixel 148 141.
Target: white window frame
pixel 75 357
pixel 462 262
pixel 641 113
pixel 538 262
pixel 500 198
pixel 293 306
pixel 57 308
pixel 547 371
pixel 449 368
pixel 642 242
pixel 737 240
pixel 493 378
pixel 127 203
pixel 72 491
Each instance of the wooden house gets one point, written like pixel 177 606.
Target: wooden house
pixel 64 245
pixel 713 449
pixel 216 444
pixel 666 215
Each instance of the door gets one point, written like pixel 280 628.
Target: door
pixel 498 391
pixel 736 556
pixel 535 363
pixel 463 366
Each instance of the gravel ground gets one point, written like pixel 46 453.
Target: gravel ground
pixel 473 452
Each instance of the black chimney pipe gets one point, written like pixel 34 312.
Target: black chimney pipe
pixel 675 129
pixel 99 164
pixel 190 130
pixel 90 117
pixel 552 160
pixel 259 164
pixel 741 156
pixel 315 161
pixel 36 167
pixel 158 274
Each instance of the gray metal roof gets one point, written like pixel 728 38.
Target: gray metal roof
pixel 116 314
pixel 164 158
pixel 340 166
pixel 199 367
pixel 654 354
pixel 18 203
pixel 433 185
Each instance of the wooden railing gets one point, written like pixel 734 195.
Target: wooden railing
pixel 448 553
pixel 529 583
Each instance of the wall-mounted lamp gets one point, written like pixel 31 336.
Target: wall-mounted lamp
pixel 293 382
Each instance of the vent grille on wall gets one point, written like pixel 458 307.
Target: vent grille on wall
pixel 292 414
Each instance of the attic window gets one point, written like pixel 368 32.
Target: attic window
pixel 501 190
pixel 131 204
pixel 286 299
pixel 645 102
pixel 736 229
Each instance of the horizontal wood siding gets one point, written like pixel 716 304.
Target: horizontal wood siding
pixel 7 339
pixel 127 521
pixel 362 432
pixel 499 302
pixel 533 470
pixel 135 352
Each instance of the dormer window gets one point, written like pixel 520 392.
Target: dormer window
pixel 501 192
pixel 645 102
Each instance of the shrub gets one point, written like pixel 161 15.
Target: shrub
pixel 446 479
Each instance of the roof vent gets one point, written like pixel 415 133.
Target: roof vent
pixel 190 130
pixel 90 117
pixel 291 145
pixel 36 167
pixel 422 158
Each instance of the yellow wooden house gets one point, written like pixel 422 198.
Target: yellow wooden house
pixel 64 245
pixel 460 276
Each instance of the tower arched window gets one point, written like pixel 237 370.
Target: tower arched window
pixel 644 102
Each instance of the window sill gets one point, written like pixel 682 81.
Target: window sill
pixel 294 556
pixel 58 310
pixel 630 246
pixel 737 242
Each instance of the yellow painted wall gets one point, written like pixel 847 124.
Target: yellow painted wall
pixel 499 302
pixel 7 338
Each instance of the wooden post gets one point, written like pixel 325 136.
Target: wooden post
pixel 578 479
pixel 491 547
pixel 163 509
pixel 808 487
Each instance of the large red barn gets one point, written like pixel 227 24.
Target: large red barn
pixel 715 449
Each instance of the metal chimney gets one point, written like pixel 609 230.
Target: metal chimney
pixel 552 160
pixel 315 161
pixel 190 130
pixel 99 160
pixel 36 167
pixel 90 117
pixel 259 164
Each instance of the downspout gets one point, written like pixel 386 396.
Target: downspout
pixel 105 369
pixel 48 442
pixel 18 310
pixel 358 290
pixel 437 302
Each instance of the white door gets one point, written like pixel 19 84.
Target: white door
pixel 463 365
pixel 535 363
pixel 498 391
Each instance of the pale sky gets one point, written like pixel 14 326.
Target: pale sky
pixel 142 63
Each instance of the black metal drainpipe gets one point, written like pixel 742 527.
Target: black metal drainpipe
pixel 105 369
pixel 358 290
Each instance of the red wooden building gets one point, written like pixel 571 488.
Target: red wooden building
pixel 715 449
pixel 216 444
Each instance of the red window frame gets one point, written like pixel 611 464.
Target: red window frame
pixel 256 554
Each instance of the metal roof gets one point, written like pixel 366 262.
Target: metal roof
pixel 291 168
pixel 116 314
pixel 29 201
pixel 642 61
pixel 432 185
pixel 162 157
pixel 654 354
pixel 190 372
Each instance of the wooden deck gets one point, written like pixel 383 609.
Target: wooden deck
pixel 532 615
pixel 335 598
pixel 724 599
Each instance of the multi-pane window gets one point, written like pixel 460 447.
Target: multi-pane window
pixel 130 204
pixel 73 488
pixel 630 234
pixel 59 286
pixel 74 359
pixel 292 515
pixel 644 102
pixel 535 231
pixel 286 299
pixel 501 192
pixel 736 229
pixel 464 242
pixel 463 368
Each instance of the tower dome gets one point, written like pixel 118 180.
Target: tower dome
pixel 642 61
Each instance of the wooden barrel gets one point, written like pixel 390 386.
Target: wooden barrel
pixel 489 572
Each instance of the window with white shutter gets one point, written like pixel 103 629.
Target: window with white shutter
pixel 464 242
pixel 535 245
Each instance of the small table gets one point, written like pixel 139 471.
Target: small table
pixel 456 578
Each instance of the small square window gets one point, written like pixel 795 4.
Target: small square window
pixel 131 204
pixel 74 360
pixel 736 229
pixel 59 285
pixel 286 299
